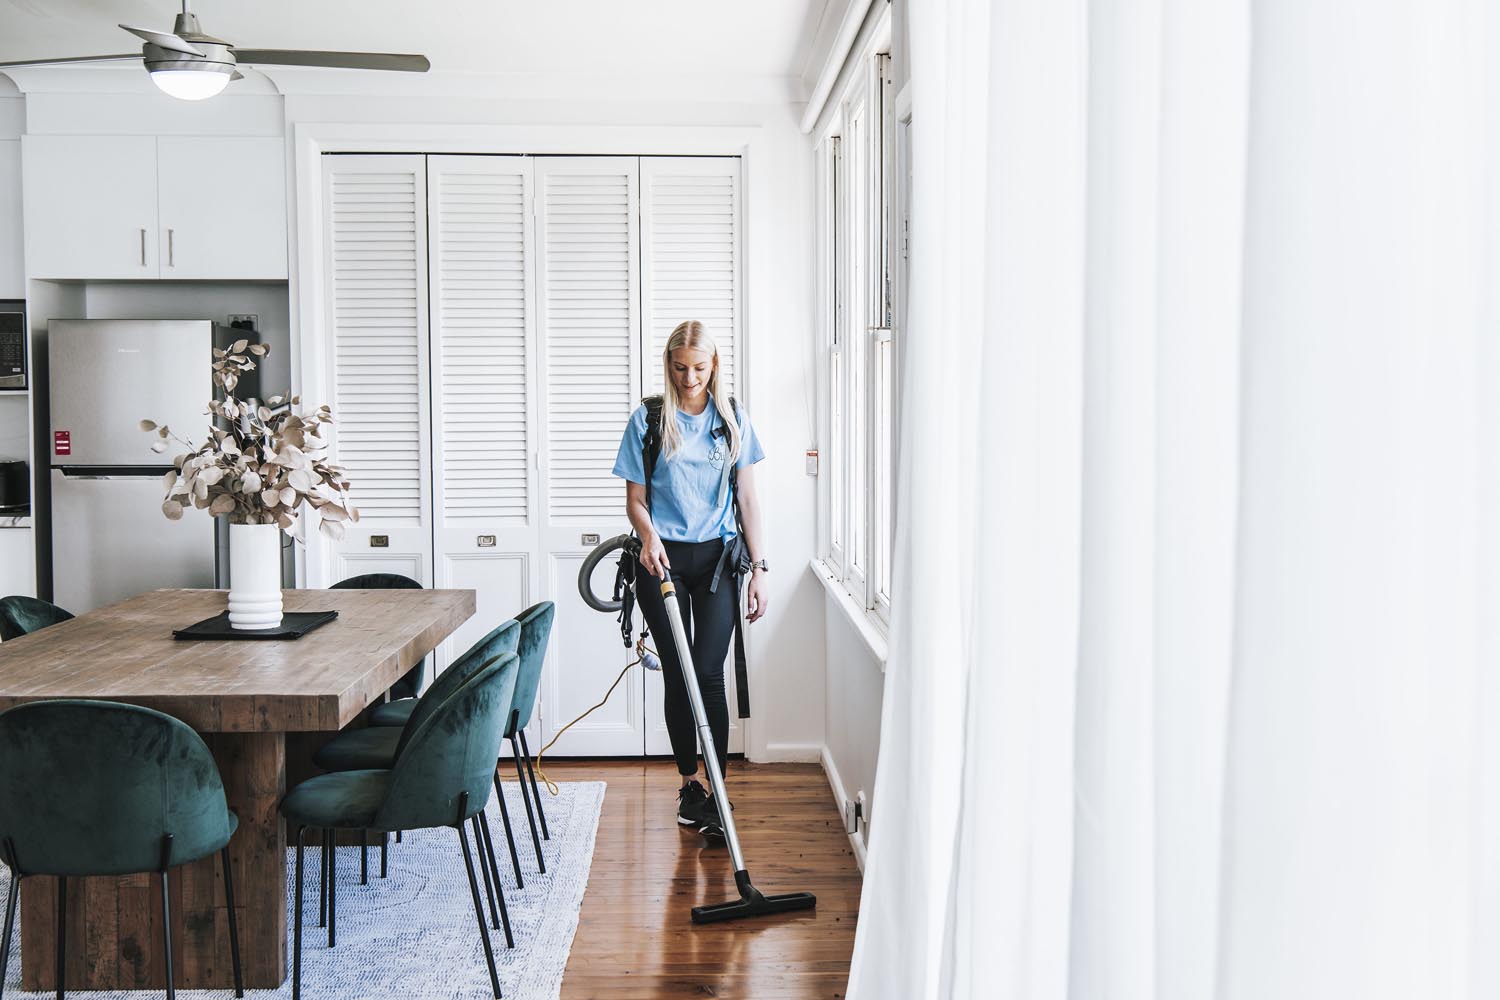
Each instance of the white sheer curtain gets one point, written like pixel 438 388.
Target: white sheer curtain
pixel 1195 593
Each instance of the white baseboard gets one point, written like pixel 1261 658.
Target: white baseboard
pixel 794 753
pixel 840 796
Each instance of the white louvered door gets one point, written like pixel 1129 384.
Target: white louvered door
pixel 484 407
pixel 375 239
pixel 691 249
pixel 589 325
pixel 480 437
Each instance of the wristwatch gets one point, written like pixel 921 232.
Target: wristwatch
pixel 760 564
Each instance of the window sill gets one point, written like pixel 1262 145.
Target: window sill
pixel 868 627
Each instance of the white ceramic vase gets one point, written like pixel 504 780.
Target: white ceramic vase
pixel 254 576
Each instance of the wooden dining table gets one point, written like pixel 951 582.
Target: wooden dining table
pixel 245 697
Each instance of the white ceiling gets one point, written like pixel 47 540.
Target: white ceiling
pixel 656 38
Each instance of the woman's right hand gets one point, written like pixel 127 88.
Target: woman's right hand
pixel 654 557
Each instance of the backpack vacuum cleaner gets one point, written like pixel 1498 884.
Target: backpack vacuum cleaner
pixel 752 902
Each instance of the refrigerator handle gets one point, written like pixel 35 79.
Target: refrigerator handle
pixel 143 248
pixel 97 472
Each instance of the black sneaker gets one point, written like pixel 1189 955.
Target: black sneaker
pixel 709 824
pixel 690 804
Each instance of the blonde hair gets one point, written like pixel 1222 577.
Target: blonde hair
pixel 694 336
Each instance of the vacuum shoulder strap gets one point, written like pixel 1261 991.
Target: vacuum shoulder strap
pixel 651 442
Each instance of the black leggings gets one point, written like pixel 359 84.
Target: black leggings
pixel 709 621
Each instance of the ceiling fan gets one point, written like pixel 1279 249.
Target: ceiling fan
pixel 192 66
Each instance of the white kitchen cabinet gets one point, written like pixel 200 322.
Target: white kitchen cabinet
pixel 90 206
pixel 121 207
pixel 221 207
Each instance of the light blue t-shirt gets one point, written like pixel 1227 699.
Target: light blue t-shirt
pixel 687 504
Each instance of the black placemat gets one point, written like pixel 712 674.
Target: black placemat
pixel 294 625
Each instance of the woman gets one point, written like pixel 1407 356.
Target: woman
pixel 690 522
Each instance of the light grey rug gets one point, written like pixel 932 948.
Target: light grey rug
pixel 413 934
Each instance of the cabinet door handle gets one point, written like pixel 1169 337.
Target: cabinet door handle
pixel 143 248
pixel 171 251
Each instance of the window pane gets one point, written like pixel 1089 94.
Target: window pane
pixel 838 512
pixel 882 479
pixel 857 319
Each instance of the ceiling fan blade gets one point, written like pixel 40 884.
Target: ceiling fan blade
pixel 397 61
pixel 69 59
pixel 164 40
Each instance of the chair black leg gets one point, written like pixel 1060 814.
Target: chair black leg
pixel 510 838
pixel 536 793
pixel 166 911
pixel 10 924
pixel 323 879
pixel 484 870
pixel 484 931
pixel 166 926
pixel 541 866
pixel 333 882
pixel 364 857
pixel 489 849
pixel 234 930
pixel 62 932
pixel 385 843
pixel 297 922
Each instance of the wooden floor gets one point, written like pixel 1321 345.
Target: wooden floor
pixel 636 938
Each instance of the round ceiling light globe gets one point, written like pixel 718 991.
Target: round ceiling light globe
pixel 190 84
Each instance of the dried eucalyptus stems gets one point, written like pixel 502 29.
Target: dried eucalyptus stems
pixel 260 462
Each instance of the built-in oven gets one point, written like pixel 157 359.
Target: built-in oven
pixel 12 346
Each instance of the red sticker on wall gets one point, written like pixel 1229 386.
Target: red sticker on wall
pixel 62 442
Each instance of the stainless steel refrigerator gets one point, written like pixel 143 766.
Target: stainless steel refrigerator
pixel 110 539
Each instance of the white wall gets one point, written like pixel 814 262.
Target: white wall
pixel 856 686
pixel 15 430
pixel 214 300
pixel 855 678
pixel 786 649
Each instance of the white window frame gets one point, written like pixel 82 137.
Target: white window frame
pixel 862 223
pixel 859 297
pixel 835 527
pixel 883 367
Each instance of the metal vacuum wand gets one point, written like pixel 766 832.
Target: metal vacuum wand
pixel 751 902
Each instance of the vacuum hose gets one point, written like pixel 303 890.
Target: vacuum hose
pixel 586 573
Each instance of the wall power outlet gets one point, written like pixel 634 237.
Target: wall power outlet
pixel 244 321
pixel 855 814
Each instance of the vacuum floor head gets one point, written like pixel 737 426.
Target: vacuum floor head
pixel 752 903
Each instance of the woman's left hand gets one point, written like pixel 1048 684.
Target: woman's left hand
pixel 757 597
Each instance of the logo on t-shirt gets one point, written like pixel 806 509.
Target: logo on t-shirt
pixel 716 457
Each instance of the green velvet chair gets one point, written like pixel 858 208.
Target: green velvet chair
pixel 411 683
pixel 441 778
pixel 379 746
pixel 100 788
pixel 22 615
pixel 536 629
